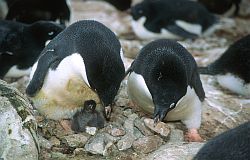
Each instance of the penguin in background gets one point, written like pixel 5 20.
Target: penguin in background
pixel 30 11
pixel 232 69
pixel 21 45
pixel 171 19
pixel 224 7
pixel 164 81
pixel 230 145
pixel 83 62
pixel 88 116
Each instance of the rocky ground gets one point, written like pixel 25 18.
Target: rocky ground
pixel 129 134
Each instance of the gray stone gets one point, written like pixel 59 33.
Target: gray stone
pixel 127 140
pixel 141 126
pixel 147 144
pixel 175 151
pixel 44 143
pixel 76 140
pixel 54 141
pixel 176 135
pixel 18 127
pixel 58 155
pixel 161 128
pixel 100 143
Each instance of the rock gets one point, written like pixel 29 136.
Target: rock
pixel 161 128
pixel 176 151
pixel 58 155
pixel 176 135
pixel 75 140
pixel 127 140
pixel 147 144
pixel 54 141
pixel 100 143
pixel 79 151
pixel 18 127
pixel 91 130
pixel 116 131
pixel 141 126
pixel 44 143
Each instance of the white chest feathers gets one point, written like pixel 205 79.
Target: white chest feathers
pixel 143 33
pixel 65 89
pixel 234 84
pixel 188 108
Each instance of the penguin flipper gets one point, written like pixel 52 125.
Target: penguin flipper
pixel 46 60
pixel 197 85
pixel 175 29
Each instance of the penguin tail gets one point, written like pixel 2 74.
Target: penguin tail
pixel 44 63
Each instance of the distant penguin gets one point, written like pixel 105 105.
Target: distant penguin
pixel 83 62
pixel 164 81
pixel 232 69
pixel 172 19
pixel 225 7
pixel 230 145
pixel 21 45
pixel 30 11
pixel 88 116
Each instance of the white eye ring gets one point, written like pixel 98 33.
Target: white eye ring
pixel 51 33
pixel 171 105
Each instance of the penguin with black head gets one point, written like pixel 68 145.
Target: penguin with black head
pixel 87 117
pixel 230 145
pixel 232 68
pixel 164 80
pixel 21 45
pixel 172 19
pixel 82 63
pixel 224 7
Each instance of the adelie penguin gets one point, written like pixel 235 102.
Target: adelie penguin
pixel 82 63
pixel 21 45
pixel 87 117
pixel 224 7
pixel 164 81
pixel 172 19
pixel 232 69
pixel 230 145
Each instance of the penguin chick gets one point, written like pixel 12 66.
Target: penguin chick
pixel 232 69
pixel 230 145
pixel 21 45
pixel 88 116
pixel 172 19
pixel 83 62
pixel 164 80
pixel 225 7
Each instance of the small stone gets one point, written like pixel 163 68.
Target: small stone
pixel 76 140
pixel 91 130
pixel 54 141
pixel 176 135
pixel 58 155
pixel 141 126
pixel 126 142
pixel 79 151
pixel 116 132
pixel 147 144
pixel 161 127
pixel 44 143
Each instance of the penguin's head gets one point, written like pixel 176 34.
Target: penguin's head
pixel 140 10
pixel 167 83
pixel 89 106
pixel 45 30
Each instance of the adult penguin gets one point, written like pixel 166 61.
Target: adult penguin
pixel 82 63
pixel 164 81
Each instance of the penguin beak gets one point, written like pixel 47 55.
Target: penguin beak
pixel 160 112
pixel 107 111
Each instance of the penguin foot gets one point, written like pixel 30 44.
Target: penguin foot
pixel 66 125
pixel 108 111
pixel 193 136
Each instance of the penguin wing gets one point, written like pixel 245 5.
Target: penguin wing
pixel 197 85
pixel 177 30
pixel 46 60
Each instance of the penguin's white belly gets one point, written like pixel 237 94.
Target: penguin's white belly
pixel 143 33
pixel 15 72
pixel 234 84
pixel 65 89
pixel 188 109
